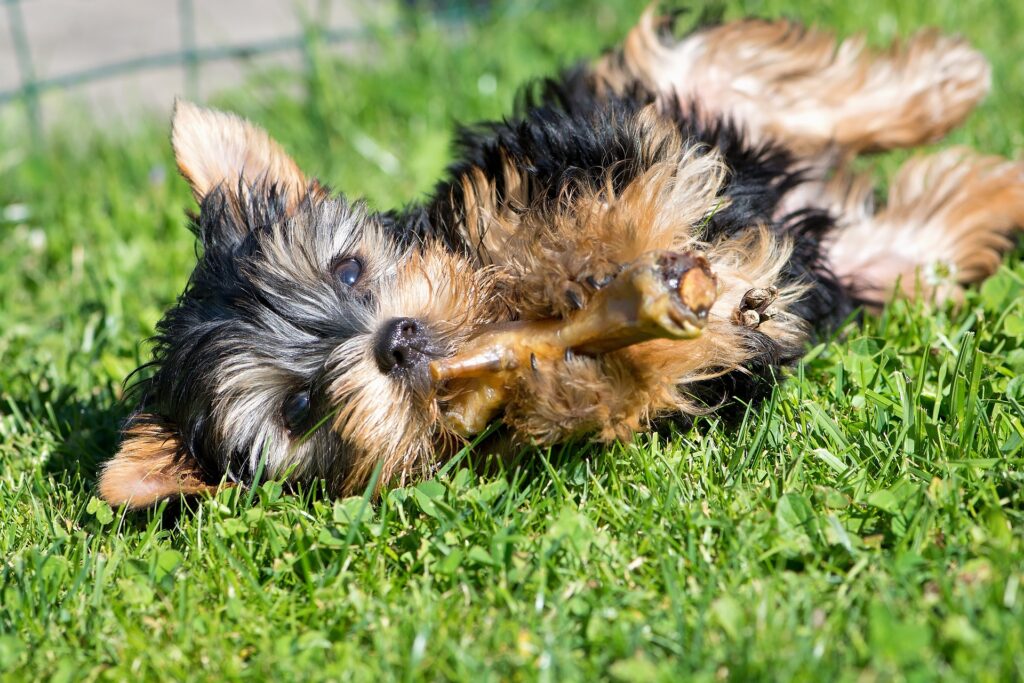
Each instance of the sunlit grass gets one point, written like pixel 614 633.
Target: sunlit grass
pixel 864 522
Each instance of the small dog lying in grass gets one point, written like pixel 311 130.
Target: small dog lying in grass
pixel 655 234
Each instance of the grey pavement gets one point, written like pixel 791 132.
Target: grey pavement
pixel 69 36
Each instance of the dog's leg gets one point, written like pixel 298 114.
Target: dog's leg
pixel 801 86
pixel 950 218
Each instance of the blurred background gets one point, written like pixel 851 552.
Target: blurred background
pixel 68 66
pixel 116 57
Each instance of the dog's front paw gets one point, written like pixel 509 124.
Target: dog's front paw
pixel 579 290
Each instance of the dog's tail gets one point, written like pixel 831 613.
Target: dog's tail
pixel 801 86
pixel 949 220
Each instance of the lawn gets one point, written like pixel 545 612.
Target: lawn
pixel 864 523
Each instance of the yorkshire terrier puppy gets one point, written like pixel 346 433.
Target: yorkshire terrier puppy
pixel 655 234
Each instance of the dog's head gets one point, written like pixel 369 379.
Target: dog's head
pixel 300 346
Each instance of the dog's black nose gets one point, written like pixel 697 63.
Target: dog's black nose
pixel 400 344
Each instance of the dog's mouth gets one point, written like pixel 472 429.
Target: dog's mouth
pixel 663 295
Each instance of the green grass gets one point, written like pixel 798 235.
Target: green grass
pixel 865 523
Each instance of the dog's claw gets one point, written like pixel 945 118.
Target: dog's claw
pixel 574 296
pixel 597 283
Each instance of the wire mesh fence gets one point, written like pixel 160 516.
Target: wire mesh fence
pixel 189 54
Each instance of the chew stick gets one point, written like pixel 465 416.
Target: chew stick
pixel 663 295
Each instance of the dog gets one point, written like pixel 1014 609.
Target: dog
pixel 655 234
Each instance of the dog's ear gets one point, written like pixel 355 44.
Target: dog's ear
pixel 214 149
pixel 150 465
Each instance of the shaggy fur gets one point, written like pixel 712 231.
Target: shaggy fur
pixel 798 86
pixel 299 347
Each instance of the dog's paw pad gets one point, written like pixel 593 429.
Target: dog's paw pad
pixel 753 309
pixel 749 319
pixel 758 299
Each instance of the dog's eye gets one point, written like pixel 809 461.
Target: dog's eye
pixel 295 411
pixel 347 271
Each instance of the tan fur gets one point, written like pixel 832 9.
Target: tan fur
pixel 214 149
pixel 847 195
pixel 949 219
pixel 149 467
pixel 800 86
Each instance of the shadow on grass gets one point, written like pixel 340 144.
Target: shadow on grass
pixel 88 429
